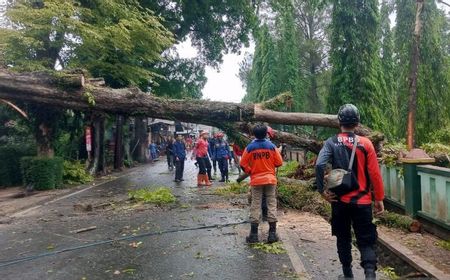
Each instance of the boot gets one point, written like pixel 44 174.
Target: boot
pixel 348 273
pixel 226 178
pixel 273 236
pixel 207 182
pixel 253 236
pixel 223 179
pixel 200 180
pixel 370 273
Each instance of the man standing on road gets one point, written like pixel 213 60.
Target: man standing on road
pixel 355 207
pixel 169 153
pixel 222 155
pixel 179 151
pixel 260 158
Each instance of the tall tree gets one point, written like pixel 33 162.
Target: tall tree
pixel 313 18
pixel 433 109
pixel 355 58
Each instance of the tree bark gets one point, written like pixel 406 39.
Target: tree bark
pixel 140 140
pixel 415 56
pixel 41 89
pixel 131 101
pixel 118 146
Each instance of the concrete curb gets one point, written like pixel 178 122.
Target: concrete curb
pixel 409 257
pixel 76 190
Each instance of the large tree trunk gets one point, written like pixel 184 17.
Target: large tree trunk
pixel 97 164
pixel 118 145
pixel 415 56
pixel 131 101
pixel 140 140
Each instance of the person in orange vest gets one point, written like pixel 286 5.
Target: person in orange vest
pixel 260 159
pixel 201 154
pixel 352 206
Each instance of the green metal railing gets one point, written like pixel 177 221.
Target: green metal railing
pixel 435 192
pixel 394 184
pixel 420 190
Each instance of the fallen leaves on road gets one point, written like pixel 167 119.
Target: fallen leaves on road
pixel 273 248
pixel 135 244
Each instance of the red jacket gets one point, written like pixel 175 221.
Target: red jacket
pixel 337 150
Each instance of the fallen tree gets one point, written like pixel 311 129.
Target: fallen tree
pixel 73 91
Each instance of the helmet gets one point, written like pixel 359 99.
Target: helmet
pixel 348 115
pixel 219 134
pixel 270 132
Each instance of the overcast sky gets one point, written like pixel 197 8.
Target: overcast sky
pixel 222 85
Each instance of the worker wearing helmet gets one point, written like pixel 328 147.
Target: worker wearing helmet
pixel 222 154
pixel 201 154
pixel 352 207
pixel 260 159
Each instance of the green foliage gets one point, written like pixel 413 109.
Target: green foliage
pixel 232 189
pixel 438 151
pixel 288 169
pixel 391 219
pixel 300 195
pixel 433 89
pixel 42 173
pixel 75 173
pixel 159 196
pixel 10 173
pixel 272 248
pixel 112 39
pixel 444 244
pixel 389 272
pixel 356 76
pixel 180 78
pixel 392 152
pixel 215 27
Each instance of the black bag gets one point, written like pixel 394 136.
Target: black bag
pixel 341 181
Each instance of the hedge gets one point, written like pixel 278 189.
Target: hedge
pixel 10 155
pixel 42 173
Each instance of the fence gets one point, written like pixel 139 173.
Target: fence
pixel 420 190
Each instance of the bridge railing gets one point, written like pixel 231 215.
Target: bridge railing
pixel 420 190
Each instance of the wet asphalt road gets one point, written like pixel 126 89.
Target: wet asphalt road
pixel 179 241
pixel 211 253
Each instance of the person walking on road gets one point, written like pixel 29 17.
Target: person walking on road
pixel 212 143
pixel 201 154
pixel 260 158
pixel 170 153
pixel 222 155
pixel 153 149
pixel 352 206
pixel 179 151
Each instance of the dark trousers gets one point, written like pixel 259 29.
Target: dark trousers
pixel 204 165
pixel 343 217
pixel 223 167
pixel 170 160
pixel 179 169
pixel 214 165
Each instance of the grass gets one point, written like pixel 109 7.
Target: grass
pixel 288 169
pixel 394 220
pixel 232 189
pixel 444 244
pixel 159 196
pixel 301 195
pixel 273 248
pixel 389 272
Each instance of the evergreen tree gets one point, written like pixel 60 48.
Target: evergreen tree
pixel 433 109
pixel 356 76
